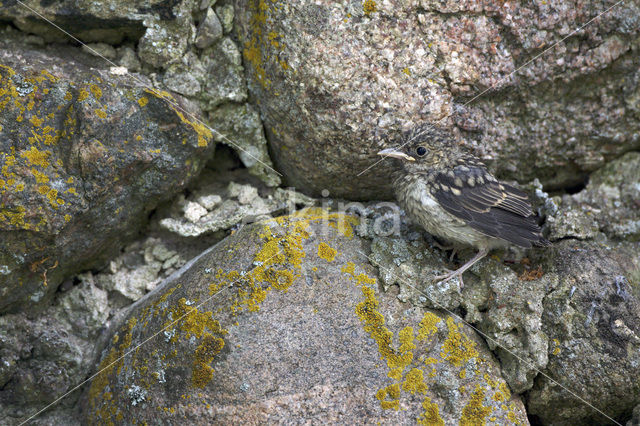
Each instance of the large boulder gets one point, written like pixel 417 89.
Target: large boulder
pixel 337 81
pixel 85 154
pixel 285 319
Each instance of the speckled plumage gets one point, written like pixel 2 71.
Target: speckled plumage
pixel 452 195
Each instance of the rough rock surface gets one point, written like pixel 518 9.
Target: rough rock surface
pixel 610 204
pixel 84 155
pixel 42 358
pixel 592 320
pixel 284 319
pixel 336 81
pixel 178 43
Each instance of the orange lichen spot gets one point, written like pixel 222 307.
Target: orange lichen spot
pixel 532 274
pixel 283 280
pixel 52 196
pixel 458 348
pixel 209 347
pixel 326 252
pixel 505 390
pixel 349 268
pixel 143 101
pixel 474 413
pixel 40 177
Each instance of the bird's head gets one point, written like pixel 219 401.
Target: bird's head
pixel 423 148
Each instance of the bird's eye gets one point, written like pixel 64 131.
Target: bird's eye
pixel 421 150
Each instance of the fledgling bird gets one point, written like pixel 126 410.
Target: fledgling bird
pixel 452 195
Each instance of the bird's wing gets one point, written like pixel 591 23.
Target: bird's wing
pixel 469 192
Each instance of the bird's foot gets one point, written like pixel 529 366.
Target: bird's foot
pixel 450 275
pixel 458 272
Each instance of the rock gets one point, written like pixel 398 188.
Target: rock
pixel 209 201
pixel 101 50
pixel 224 75
pixel 103 151
pixel 240 128
pixel 635 420
pixel 225 13
pixel 44 357
pixel 209 30
pixel 335 83
pixel 592 320
pixel 611 199
pixel 570 311
pixel 164 43
pixel 186 77
pixel 241 204
pixel 194 211
pixel 127 58
pixel 244 193
pixel 284 319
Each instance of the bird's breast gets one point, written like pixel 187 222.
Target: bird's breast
pixel 415 198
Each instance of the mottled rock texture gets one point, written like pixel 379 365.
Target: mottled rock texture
pixel 42 358
pixel 283 320
pixel 178 43
pixel 335 81
pixel 84 156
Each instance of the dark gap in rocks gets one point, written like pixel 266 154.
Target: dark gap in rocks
pixel 224 158
pixel 463 312
pixel 116 32
pixel 534 420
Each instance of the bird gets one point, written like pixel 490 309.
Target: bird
pixel 452 195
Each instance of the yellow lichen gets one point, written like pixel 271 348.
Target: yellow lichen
pixel 414 382
pixel 474 413
pixel 431 415
pixel 428 326
pixel 457 348
pixel 143 101
pixel 369 7
pixel 326 252
pixel 393 392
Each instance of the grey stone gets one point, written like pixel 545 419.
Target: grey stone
pixel 360 355
pixel 225 13
pixel 240 128
pixel 127 58
pixel 335 84
pixel 75 187
pixel 224 74
pixel 209 30
pixel 101 50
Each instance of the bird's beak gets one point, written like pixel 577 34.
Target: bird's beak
pixel 395 153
